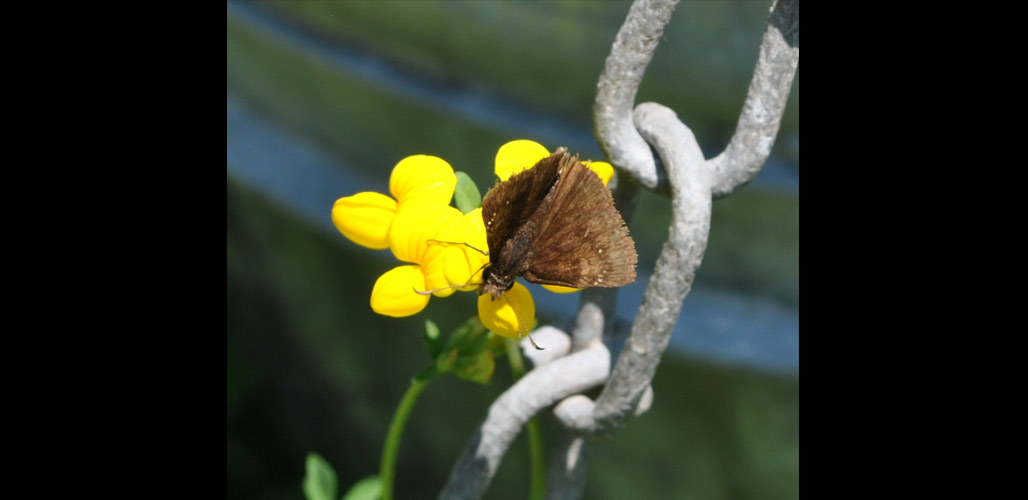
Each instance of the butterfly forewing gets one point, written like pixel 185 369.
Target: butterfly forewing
pixel 509 204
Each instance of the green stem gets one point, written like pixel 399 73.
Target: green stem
pixel 517 365
pixel 535 438
pixel 392 443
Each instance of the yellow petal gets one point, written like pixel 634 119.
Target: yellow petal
pixel 422 178
pixel 602 169
pixel 446 238
pixel 365 218
pixel 415 224
pixel 561 289
pixel 518 155
pixel 435 278
pixel 463 264
pixel 393 294
pixel 512 315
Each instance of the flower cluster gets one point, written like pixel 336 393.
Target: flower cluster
pixel 445 248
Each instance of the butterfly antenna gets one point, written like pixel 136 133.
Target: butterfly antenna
pixel 469 245
pixel 521 322
pixel 536 346
pixel 429 292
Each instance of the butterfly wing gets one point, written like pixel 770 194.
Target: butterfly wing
pixel 511 203
pixel 582 240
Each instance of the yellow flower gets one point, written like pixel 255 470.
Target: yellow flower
pixel 446 249
pixel 422 186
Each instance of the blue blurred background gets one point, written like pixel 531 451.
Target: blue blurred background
pixel 325 97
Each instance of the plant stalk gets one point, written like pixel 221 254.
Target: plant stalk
pixel 392 444
pixel 537 485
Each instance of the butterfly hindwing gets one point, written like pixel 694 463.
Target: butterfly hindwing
pixel 582 240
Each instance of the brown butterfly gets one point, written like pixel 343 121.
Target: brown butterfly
pixel 555 224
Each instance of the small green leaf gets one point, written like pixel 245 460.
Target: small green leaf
pixel 478 368
pixel 446 360
pixel 477 343
pixel 465 333
pixel 467 195
pixel 430 339
pixel 320 482
pixel 369 488
pixel 431 330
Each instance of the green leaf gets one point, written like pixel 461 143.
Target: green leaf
pixel 431 340
pixel 320 482
pixel 467 195
pixel 446 360
pixel 465 333
pixel 478 368
pixel 477 343
pixel 369 488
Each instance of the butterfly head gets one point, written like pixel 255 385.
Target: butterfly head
pixel 495 283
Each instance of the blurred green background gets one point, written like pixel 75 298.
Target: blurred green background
pixel 325 97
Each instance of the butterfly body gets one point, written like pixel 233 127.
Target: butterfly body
pixel 555 224
pixel 512 261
